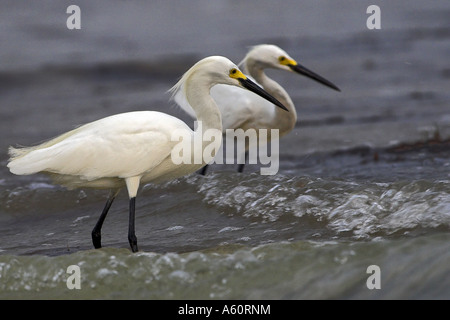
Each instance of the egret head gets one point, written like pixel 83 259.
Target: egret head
pixel 270 56
pixel 220 70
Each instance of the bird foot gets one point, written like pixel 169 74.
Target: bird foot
pixel 97 239
pixel 133 243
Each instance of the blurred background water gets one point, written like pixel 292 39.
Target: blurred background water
pixel 363 179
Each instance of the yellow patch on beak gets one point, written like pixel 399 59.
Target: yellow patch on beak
pixel 287 62
pixel 237 74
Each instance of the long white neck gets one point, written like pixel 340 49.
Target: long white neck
pixel 285 121
pixel 199 97
pixel 206 110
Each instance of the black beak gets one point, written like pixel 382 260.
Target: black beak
pixel 308 73
pixel 253 87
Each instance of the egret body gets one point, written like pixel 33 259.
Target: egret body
pixel 128 149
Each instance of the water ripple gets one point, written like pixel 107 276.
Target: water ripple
pixel 365 210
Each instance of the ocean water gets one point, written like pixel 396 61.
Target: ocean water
pixel 233 236
pixel 363 178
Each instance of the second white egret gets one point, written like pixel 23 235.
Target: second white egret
pixel 241 109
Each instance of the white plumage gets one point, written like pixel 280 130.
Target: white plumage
pixel 94 150
pixel 242 109
pixel 132 148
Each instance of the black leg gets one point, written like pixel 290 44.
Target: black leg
pixel 97 231
pixel 203 170
pixel 131 235
pixel 241 166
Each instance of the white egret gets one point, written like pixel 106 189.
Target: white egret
pixel 241 109
pixel 128 149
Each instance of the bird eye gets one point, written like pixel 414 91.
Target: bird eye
pixel 234 73
pixel 285 61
